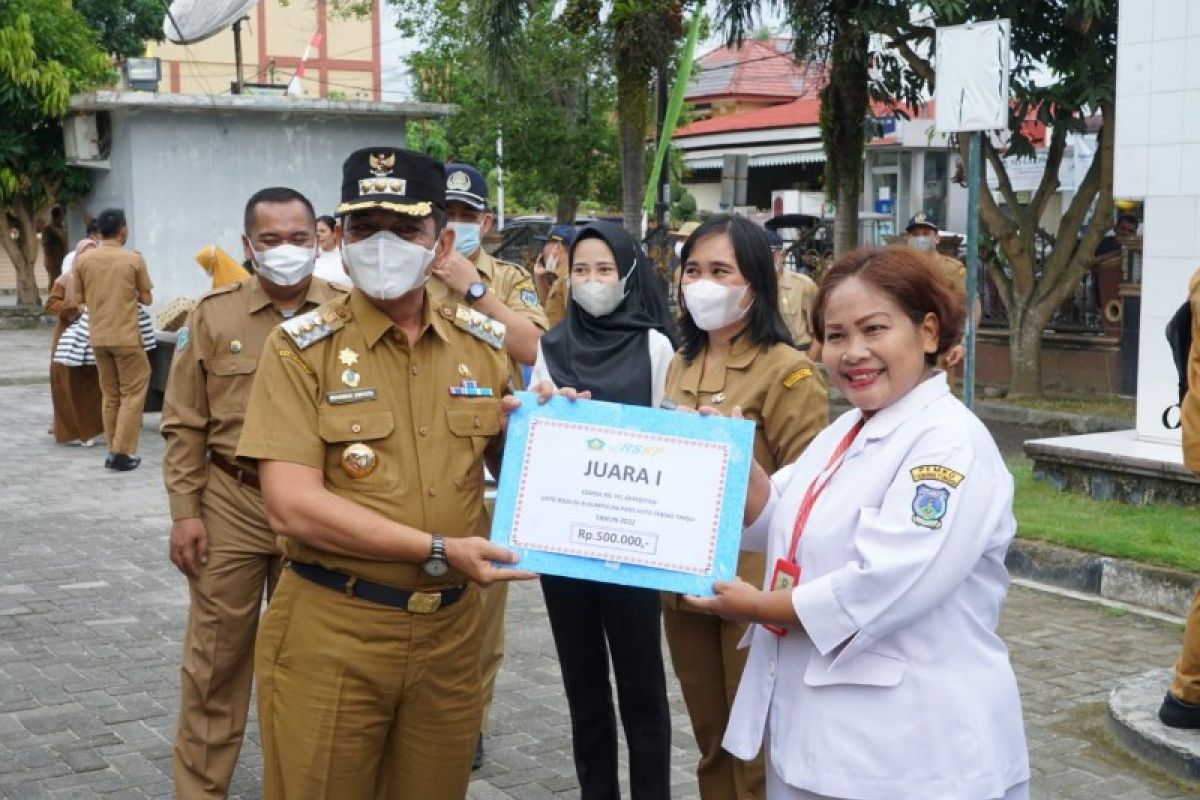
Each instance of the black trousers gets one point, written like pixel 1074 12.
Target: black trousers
pixel 589 621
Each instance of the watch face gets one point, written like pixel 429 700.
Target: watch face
pixel 476 290
pixel 436 567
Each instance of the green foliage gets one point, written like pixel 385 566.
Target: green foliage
pixel 124 26
pixel 47 53
pixel 555 105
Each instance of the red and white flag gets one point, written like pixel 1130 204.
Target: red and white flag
pixel 295 86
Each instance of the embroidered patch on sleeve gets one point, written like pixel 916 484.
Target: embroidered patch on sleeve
pixel 936 472
pixel 929 505
pixel 797 376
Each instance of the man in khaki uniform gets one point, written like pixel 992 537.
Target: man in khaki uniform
pixel 220 538
pixel 1181 706
pixel 923 235
pixel 370 419
pixel 797 294
pixel 552 272
pixel 111 281
pixel 504 291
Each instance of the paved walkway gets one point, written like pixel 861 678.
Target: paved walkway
pixel 91 614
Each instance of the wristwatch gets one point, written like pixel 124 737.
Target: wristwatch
pixel 436 565
pixel 475 292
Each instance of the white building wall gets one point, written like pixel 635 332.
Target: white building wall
pixel 1158 159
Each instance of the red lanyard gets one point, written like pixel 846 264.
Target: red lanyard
pixel 818 485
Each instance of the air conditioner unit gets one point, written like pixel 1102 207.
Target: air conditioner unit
pixel 81 137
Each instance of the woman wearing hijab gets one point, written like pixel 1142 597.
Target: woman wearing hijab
pixel 615 343
pixel 74 391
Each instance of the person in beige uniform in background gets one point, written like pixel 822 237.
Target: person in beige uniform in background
pixel 1181 706
pixel 220 538
pixel 110 281
pixel 505 292
pixel 924 235
pixel 797 293
pixel 552 272
pixel 370 419
pixel 736 353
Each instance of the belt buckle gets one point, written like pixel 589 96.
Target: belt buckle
pixel 424 602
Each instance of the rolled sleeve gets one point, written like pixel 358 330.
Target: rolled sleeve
pixel 281 415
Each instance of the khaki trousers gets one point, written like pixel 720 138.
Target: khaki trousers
pixel 494 600
pixel 217 667
pixel 358 701
pixel 1186 685
pixel 124 379
pixel 709 666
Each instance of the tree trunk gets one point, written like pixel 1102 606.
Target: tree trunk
pixel 843 109
pixel 1026 326
pixel 633 97
pixel 23 251
pixel 568 207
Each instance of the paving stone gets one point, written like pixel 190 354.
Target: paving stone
pixel 92 613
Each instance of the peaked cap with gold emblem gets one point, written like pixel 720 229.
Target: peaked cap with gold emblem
pixel 392 179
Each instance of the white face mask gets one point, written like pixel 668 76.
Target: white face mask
pixel 597 298
pixel 714 306
pixel 925 244
pixel 384 266
pixel 285 265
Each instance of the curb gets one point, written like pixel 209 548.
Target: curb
pixel 1040 418
pixel 1158 588
pixel 1133 719
pixel 1062 421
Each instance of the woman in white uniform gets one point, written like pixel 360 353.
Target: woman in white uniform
pixel 876 672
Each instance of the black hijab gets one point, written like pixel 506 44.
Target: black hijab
pixel 609 355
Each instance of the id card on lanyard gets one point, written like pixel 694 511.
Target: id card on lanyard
pixel 787 570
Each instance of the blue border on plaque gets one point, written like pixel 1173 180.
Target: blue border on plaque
pixel 738 434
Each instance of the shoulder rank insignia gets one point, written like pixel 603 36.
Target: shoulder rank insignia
pixel 309 328
pixel 936 472
pixel 480 326
pixel 797 376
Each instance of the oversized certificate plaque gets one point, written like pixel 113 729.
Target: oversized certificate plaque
pixel 623 494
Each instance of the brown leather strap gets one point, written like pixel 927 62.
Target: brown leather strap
pixel 244 476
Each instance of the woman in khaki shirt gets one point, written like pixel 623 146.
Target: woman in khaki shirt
pixel 736 353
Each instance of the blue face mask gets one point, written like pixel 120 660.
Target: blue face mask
pixel 466 236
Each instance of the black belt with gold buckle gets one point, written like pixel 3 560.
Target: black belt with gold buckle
pixel 415 602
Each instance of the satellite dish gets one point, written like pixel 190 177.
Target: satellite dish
pixel 191 21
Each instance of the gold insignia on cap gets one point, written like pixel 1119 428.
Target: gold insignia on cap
pixel 382 164
pixel 364 186
pixel 235 346
pixel 359 460
pixel 379 185
pixel 351 378
pixel 458 181
pixel 396 185
pixel 348 357
pixel 464 371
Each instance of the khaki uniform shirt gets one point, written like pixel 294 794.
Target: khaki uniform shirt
pixel 1190 408
pixel 216 356
pixel 360 381
pixel 507 281
pixel 797 296
pixel 108 280
pixel 953 272
pixel 779 390
pixel 556 298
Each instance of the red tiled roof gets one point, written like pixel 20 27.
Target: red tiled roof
pixel 761 69
pixel 806 111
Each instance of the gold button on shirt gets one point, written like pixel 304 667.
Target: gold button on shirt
pixel 211 375
pixel 428 445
